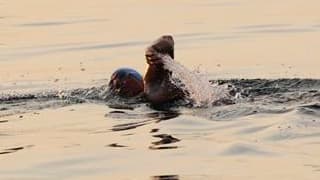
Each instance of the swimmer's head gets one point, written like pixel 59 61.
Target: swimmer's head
pixel 126 83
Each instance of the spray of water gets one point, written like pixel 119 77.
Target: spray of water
pixel 198 87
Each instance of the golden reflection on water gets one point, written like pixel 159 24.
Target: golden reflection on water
pixel 52 44
pixel 228 39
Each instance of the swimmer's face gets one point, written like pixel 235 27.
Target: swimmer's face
pixel 163 46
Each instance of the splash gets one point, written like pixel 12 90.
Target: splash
pixel 199 89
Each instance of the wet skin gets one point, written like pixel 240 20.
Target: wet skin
pixel 158 88
pixel 156 85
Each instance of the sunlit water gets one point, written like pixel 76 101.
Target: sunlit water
pixel 58 121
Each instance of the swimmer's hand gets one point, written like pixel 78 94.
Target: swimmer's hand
pixel 153 57
pixel 161 47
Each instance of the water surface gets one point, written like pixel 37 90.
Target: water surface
pixel 57 56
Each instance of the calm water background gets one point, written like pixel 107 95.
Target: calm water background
pixel 58 45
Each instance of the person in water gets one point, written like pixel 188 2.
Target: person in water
pixel 156 85
pixel 126 82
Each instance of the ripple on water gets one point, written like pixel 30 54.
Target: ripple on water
pixel 276 28
pixel 311 109
pixel 286 133
pixel 116 145
pixel 243 149
pixel 14 149
pixel 165 139
pixel 60 23
pixel 255 129
pixel 3 121
pixel 165 177
pixel 143 118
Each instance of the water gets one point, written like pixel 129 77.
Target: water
pixel 58 121
pixel 81 133
pixel 198 88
